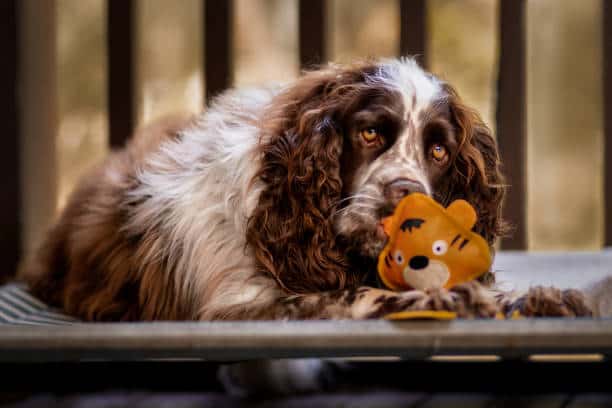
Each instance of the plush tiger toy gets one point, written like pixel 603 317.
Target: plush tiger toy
pixel 431 246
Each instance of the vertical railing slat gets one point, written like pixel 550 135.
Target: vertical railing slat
pixel 10 202
pixel 607 100
pixel 413 29
pixel 511 115
pixel 218 46
pixel 28 166
pixel 120 82
pixel 312 32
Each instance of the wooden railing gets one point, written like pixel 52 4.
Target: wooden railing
pixel 313 16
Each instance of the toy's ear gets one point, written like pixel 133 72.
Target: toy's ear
pixel 387 224
pixel 463 213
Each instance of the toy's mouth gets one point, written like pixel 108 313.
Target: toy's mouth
pixel 423 273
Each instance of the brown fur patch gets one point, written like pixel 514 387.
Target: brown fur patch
pixel 88 264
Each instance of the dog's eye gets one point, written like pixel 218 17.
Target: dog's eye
pixel 439 247
pixel 399 257
pixel 370 136
pixel 439 152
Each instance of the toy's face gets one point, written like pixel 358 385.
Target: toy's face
pixel 432 247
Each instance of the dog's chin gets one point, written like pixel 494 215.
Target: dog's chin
pixel 365 241
pixel 363 244
pixel 362 234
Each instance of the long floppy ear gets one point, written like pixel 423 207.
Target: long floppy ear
pixel 475 175
pixel 291 230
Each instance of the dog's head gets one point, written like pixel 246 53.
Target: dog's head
pixel 342 146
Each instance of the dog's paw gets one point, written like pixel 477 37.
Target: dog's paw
pixel 542 301
pixel 467 300
pixel 472 299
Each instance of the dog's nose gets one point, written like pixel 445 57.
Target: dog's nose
pixel 400 188
pixel 418 262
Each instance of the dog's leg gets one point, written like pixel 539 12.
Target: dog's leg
pixel 467 300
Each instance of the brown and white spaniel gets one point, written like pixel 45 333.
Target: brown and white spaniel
pixel 267 206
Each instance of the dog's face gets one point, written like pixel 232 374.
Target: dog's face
pixel 343 146
pixel 401 139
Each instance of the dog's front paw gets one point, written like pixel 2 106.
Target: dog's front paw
pixel 475 301
pixel 543 301
pixel 467 300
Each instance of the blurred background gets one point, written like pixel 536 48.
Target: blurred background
pixel 564 119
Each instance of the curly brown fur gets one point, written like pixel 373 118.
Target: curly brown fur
pixel 476 174
pixel 291 229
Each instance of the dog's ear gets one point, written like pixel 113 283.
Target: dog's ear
pixel 475 173
pixel 291 228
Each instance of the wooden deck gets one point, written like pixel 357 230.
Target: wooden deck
pixel 222 341
pixel 553 362
pixel 225 341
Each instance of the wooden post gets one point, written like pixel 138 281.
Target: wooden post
pixel 413 29
pixel 120 36
pixel 511 117
pixel 312 32
pixel 10 201
pixel 38 117
pixel 218 46
pixel 607 99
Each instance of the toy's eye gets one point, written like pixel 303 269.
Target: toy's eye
pixel 399 257
pixel 370 136
pixel 439 152
pixel 439 247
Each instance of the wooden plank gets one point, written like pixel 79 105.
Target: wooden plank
pixel 120 82
pixel 607 98
pixel 518 270
pixel 38 123
pixel 221 341
pixel 511 116
pixel 10 202
pixel 413 29
pixel 218 46
pixel 312 32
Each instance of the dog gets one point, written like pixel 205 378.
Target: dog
pixel 268 206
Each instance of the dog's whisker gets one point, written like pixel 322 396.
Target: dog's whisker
pixel 356 207
pixel 359 196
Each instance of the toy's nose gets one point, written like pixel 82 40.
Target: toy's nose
pixel 400 188
pixel 418 262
